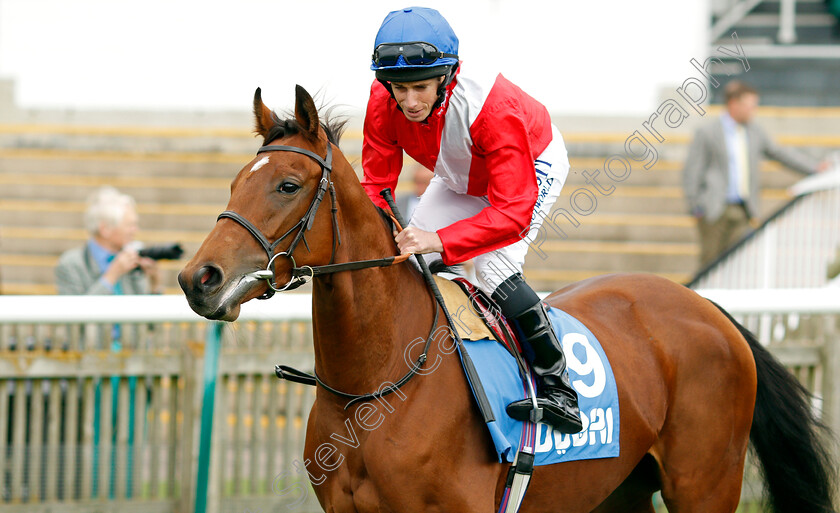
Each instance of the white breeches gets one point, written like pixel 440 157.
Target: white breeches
pixel 440 207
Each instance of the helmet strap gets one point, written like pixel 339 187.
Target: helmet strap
pixel 447 79
pixel 441 92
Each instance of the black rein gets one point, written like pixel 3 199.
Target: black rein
pixel 300 275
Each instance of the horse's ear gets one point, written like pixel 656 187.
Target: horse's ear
pixel 264 116
pixel 305 112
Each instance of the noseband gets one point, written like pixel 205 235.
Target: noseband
pixel 301 275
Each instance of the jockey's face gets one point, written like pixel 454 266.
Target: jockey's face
pixel 417 98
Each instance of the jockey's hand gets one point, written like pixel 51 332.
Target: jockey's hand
pixel 415 240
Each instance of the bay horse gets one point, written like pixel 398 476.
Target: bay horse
pixel 694 386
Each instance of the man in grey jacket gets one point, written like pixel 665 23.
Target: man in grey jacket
pixel 108 263
pixel 721 173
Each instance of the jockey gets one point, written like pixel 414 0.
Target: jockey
pixel 499 165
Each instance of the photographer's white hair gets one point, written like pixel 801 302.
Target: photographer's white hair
pixel 107 205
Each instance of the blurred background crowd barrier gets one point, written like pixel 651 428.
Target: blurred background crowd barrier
pixel 86 428
pixel 178 420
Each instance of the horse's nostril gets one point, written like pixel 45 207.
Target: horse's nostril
pixel 208 277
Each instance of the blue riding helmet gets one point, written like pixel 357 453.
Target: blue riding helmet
pixel 412 44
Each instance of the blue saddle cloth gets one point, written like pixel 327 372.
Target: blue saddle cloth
pixel 591 376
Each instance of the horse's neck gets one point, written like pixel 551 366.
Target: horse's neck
pixel 364 320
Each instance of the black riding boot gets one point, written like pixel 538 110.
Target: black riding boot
pixel 524 310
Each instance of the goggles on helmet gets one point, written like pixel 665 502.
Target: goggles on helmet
pixel 416 53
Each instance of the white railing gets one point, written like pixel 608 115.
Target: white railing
pixel 258 428
pixel 825 300
pixel 792 249
pixel 191 416
pixel 133 309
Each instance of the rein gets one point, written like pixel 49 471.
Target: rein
pixel 296 376
pixel 300 275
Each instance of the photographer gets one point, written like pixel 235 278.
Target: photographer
pixel 109 262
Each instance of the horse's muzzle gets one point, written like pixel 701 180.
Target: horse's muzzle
pixel 210 295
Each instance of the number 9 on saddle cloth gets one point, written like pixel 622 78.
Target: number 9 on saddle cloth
pixel 589 373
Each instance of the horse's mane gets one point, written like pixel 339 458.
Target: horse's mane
pixel 333 125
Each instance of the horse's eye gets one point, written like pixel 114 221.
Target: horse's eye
pixel 288 188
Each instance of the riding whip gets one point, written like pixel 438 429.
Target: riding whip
pixel 469 367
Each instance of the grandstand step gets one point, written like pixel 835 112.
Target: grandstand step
pixel 168 189
pixel 628 227
pixel 226 166
pixel 550 280
pixel 200 219
pixel 39 270
pixel 142 139
pixel 26 288
pixel 211 165
pixel 667 174
pixel 180 178
pixel 69 214
pixel 644 200
pixel 57 241
pixel 87 164
pixel 79 190
pixel 591 255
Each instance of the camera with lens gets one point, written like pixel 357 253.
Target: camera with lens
pixel 163 252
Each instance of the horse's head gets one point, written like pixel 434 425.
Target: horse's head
pixel 273 206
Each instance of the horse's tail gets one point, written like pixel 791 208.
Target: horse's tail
pixel 788 438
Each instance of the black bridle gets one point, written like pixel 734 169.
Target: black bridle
pixel 300 275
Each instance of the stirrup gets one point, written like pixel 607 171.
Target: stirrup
pixel 557 417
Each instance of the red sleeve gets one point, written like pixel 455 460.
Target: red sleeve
pixel 500 139
pixel 381 155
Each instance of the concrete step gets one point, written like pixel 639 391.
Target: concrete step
pixel 198 217
pixel 109 163
pixel 194 191
pixel 631 199
pixel 665 173
pixel 190 190
pixel 802 7
pixel 813 29
pixel 11 287
pixel 181 186
pixel 629 227
pixel 220 172
pixel 86 164
pixel 635 256
pixel 46 219
pixel 174 191
pixel 550 280
pixel 38 272
pixel 53 241
pixel 137 138
pixel 131 151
